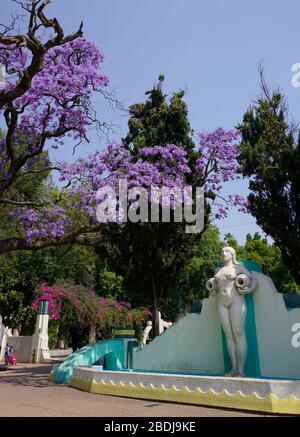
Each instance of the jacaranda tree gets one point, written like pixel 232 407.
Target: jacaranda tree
pixel 46 98
pixel 51 79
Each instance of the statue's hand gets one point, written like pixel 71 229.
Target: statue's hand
pixel 245 284
pixel 211 286
pixel 243 291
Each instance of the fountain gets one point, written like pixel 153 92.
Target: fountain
pixel 198 360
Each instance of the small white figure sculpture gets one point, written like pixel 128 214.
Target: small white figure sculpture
pixel 2 75
pixel 231 283
pixel 162 326
pixel 146 333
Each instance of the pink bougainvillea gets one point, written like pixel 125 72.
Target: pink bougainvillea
pixel 54 300
pixel 90 307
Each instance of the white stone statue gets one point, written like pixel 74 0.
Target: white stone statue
pixel 162 326
pixel 231 283
pixel 146 333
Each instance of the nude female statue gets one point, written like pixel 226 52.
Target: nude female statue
pixel 231 283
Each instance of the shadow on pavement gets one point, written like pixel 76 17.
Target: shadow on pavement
pixel 34 376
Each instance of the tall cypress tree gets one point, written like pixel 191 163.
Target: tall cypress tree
pixel 270 158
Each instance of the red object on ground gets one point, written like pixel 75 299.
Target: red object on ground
pixel 12 359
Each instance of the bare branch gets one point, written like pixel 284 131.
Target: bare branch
pixel 26 7
pixel 279 106
pixel 11 118
pixel 83 236
pixel 8 28
pixel 42 170
pixel 264 86
pixel 37 19
pixel 6 201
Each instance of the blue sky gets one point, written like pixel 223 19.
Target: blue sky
pixel 211 48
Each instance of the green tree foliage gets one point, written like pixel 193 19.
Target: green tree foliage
pixel 159 121
pixel 16 290
pixel 109 284
pixel 269 258
pixel 14 312
pixel 270 157
pixel 22 272
pixel 192 282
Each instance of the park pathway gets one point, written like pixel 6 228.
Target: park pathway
pixel 27 391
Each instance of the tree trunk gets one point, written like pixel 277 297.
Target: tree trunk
pixel 155 319
pixel 59 337
pixel 155 309
pixel 92 334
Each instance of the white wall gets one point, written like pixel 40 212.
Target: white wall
pixel 193 344
pixel 4 333
pixel 274 324
pixel 22 347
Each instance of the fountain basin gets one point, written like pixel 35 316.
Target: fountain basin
pixel 264 395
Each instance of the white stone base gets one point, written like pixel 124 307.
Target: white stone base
pixel 272 396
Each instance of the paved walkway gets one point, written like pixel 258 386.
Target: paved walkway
pixel 26 391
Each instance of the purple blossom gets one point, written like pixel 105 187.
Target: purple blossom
pixel 58 102
pixel 58 105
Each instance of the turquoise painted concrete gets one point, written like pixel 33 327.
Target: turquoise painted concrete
pixel 252 366
pixel 113 350
pixel 170 372
pixel 251 266
pixel 113 360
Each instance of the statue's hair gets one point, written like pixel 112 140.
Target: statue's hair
pixel 233 253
